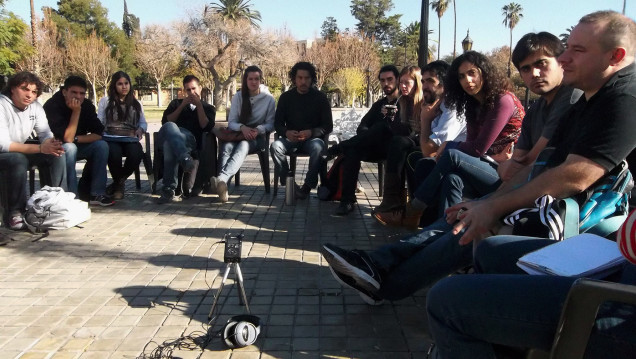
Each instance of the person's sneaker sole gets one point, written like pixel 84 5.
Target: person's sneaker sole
pixel 358 275
pixel 366 297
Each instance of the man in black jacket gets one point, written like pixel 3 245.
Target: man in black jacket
pixel 183 124
pixel 302 120
pixel 371 141
pixel 73 120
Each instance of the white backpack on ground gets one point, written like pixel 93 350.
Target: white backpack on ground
pixel 52 208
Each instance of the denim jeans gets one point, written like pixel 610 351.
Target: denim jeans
pixel 96 156
pixel 467 314
pixel 314 147
pixel 418 261
pixel 177 144
pixel 455 175
pixel 13 174
pixel 232 156
pixel 499 254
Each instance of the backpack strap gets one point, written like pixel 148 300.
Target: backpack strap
pixel 571 220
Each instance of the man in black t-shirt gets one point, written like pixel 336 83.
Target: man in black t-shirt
pixel 183 124
pixel 593 138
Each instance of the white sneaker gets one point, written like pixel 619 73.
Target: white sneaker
pixel 16 222
pixel 221 190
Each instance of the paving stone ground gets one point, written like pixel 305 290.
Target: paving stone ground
pixel 139 273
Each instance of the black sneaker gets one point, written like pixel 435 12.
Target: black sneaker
pixel 355 264
pixel 187 163
pixel 368 297
pixel 101 200
pixel 344 208
pixel 302 192
pixel 167 196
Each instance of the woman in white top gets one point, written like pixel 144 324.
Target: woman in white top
pixel 125 124
pixel 252 113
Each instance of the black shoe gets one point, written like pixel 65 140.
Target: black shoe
pixel 302 192
pixel 355 264
pixel 368 297
pixel 101 200
pixel 187 163
pixel 333 152
pixel 344 208
pixel 283 180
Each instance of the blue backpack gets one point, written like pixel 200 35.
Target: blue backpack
pixel 603 208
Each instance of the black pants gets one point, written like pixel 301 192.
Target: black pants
pixel 116 152
pixel 371 145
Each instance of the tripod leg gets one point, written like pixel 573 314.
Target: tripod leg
pixel 243 296
pixel 218 293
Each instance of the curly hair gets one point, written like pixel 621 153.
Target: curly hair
pixel 307 66
pixel 22 78
pixel 114 103
pixel 494 84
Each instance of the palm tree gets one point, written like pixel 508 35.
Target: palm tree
pixel 566 35
pixel 440 7
pixel 512 14
pixel 454 30
pixel 235 10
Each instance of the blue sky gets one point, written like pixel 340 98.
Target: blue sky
pixel 303 18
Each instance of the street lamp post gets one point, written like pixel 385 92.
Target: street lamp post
pixel 422 51
pixel 368 73
pixel 467 42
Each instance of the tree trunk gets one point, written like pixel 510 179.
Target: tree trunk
pixel 455 30
pixel 159 94
pixel 36 64
pixel 217 97
pixel 510 56
pixel 94 93
pixel 439 34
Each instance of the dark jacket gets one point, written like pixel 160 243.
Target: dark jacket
pixel 59 116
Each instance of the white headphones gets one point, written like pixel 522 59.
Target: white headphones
pixel 241 331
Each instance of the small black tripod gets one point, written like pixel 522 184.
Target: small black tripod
pixel 232 256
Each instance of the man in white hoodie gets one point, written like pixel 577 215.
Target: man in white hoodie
pixel 20 115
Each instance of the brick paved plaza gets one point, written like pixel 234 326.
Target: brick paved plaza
pixel 139 272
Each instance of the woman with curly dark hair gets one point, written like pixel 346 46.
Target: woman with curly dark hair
pixel 125 123
pixel 480 92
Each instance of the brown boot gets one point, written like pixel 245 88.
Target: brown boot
pixel 408 218
pixel 393 197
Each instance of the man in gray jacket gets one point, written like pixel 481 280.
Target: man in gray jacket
pixel 20 115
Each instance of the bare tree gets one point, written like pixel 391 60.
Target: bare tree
pixel 157 53
pixel 48 61
pixel 218 46
pixel 283 56
pixel 91 57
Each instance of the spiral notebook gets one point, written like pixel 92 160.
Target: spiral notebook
pixel 584 255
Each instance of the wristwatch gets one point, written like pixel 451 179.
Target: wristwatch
pixel 75 139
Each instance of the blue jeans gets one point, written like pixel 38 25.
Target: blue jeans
pixel 467 314
pixel 177 144
pixel 499 254
pixel 455 175
pixel 314 147
pixel 232 156
pixel 13 174
pixel 419 261
pixel 96 156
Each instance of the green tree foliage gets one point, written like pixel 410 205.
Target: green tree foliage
pixel 14 46
pixel 566 35
pixel 235 10
pixel 350 82
pixel 512 14
pixel 130 23
pixel 373 21
pixel 329 29
pixel 83 17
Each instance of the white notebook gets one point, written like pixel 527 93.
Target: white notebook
pixel 585 255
